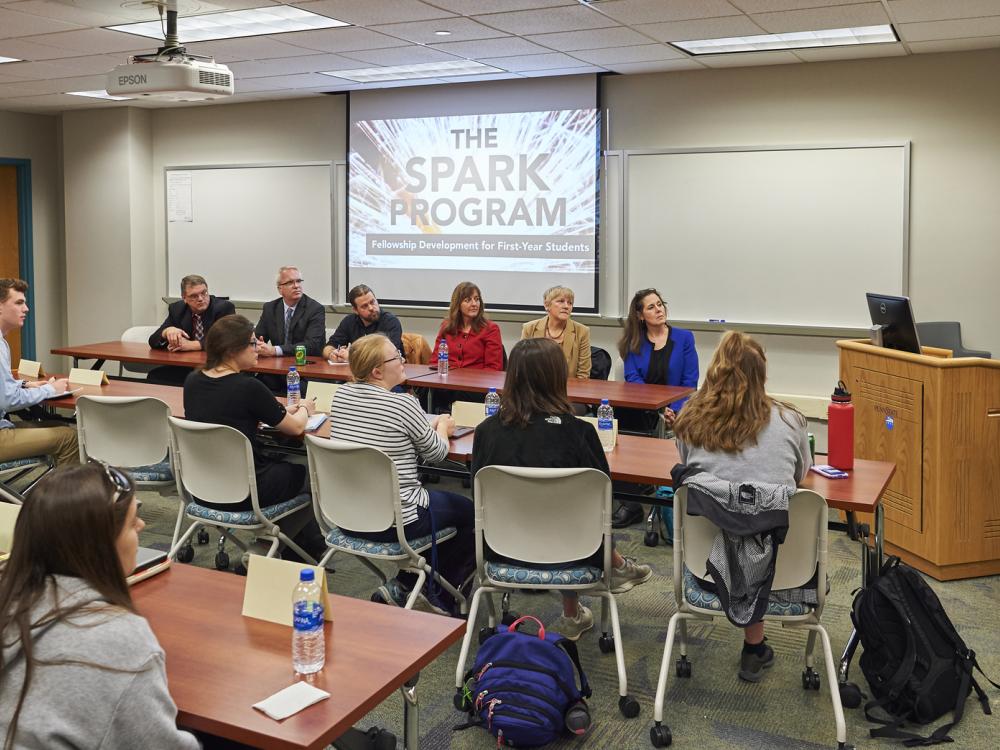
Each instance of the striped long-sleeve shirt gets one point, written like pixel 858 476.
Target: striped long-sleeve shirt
pixel 395 424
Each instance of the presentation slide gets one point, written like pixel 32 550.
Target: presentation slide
pixel 506 200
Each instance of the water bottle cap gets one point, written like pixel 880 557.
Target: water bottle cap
pixel 493 390
pixel 307 574
pixel 291 369
pixel 840 393
pixel 604 402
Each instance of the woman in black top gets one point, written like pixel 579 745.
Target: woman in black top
pixel 221 394
pixel 536 427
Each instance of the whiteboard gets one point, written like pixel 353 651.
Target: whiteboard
pixel 775 235
pixel 236 225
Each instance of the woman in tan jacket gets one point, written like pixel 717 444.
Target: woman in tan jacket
pixel 572 337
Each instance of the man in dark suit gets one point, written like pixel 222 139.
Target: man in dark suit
pixel 292 320
pixel 186 325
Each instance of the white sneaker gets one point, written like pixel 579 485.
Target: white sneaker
pixel 630 574
pixel 571 628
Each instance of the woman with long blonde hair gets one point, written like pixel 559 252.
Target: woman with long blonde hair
pixel 732 429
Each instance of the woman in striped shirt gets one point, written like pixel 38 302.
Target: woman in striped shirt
pixel 368 412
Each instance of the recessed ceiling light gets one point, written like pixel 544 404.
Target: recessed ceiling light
pixel 794 40
pixel 238 23
pixel 423 70
pixel 98 95
pixel 442 33
pixel 8 59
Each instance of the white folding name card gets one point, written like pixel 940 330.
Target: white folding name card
pixel 269 586
pixel 29 368
pixel 80 376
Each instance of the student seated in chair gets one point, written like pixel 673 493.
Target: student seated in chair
pixel 536 427
pixel 732 429
pixel 368 412
pixel 80 667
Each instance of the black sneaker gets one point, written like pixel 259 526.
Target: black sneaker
pixel 752 666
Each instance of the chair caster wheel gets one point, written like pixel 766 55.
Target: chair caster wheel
pixel 185 554
pixel 660 736
pixel 607 645
pixel 850 695
pixel 484 633
pixel 458 700
pixel 629 706
pixel 240 569
pixel 683 667
pixel 222 561
pixel 509 618
pixel 810 679
pixel 377 598
pixel 651 539
pixel 203 537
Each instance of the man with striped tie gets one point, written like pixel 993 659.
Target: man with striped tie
pixel 187 322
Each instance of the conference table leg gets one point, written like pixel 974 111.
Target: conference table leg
pixel 411 718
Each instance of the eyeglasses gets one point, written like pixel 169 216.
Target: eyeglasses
pixel 399 356
pixel 203 295
pixel 296 282
pixel 119 480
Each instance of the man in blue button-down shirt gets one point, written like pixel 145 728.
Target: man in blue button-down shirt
pixel 22 439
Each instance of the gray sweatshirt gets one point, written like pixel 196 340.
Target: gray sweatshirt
pixel 83 706
pixel 781 455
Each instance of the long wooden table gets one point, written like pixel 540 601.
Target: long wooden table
pixel 220 663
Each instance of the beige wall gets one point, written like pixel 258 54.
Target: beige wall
pixel 36 137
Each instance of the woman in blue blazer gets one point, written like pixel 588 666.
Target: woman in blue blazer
pixel 654 352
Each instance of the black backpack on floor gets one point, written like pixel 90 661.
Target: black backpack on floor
pixel 917 665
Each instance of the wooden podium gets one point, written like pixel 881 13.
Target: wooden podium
pixel 938 419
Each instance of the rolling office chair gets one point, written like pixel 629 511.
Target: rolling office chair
pixel 947 334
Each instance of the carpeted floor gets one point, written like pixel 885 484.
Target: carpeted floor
pixel 714 709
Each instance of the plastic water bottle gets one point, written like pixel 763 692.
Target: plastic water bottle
pixel 308 644
pixel 443 358
pixel 293 388
pixel 606 425
pixel 492 402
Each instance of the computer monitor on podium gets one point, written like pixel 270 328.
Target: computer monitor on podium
pixel 893 324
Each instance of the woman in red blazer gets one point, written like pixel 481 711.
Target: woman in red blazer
pixel 473 340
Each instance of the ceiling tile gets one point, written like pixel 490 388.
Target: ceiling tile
pixel 911 11
pixel 954 45
pixel 967 27
pixel 707 28
pixel 533 62
pixel 658 66
pixel 290 65
pixel 766 6
pixel 481 77
pixel 245 48
pixel 29 50
pixel 654 11
pixel 748 59
pixel 563 18
pixel 65 67
pixel 95 41
pixel 567 41
pixel 400 56
pixel 837 17
pixel 556 72
pixel 14 24
pixel 367 13
pixel 85 16
pixel 51 86
pixel 423 32
pixel 851 52
pixel 344 39
pixel 507 46
pixel 641 53
pixel 478 7
pixel 281 83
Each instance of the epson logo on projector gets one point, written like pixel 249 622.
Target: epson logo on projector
pixel 131 80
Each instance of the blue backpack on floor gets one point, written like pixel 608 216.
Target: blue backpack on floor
pixel 523 689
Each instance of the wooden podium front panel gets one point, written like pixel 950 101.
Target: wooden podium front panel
pixel 888 426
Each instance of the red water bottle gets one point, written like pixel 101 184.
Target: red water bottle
pixel 840 428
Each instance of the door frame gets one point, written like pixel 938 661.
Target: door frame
pixel 25 255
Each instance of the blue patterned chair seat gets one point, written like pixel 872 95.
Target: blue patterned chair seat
pixel 340 540
pixel 245 517
pixel 580 575
pixel 160 472
pixel 17 463
pixel 698 597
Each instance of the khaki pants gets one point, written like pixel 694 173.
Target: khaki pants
pixel 28 440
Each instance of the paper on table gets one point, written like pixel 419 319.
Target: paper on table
pixel 291 700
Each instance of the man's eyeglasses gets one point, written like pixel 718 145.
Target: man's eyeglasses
pixel 119 480
pixel 202 295
pixel 291 282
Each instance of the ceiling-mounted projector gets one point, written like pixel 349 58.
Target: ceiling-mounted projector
pixel 170 74
pixel 179 78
